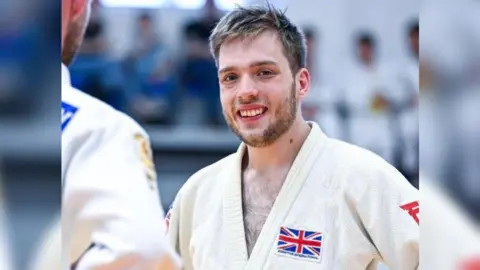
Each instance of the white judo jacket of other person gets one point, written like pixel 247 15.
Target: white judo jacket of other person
pixel 111 210
pixel 5 255
pixel 449 238
pixel 340 207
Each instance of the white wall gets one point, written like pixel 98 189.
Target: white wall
pixel 336 21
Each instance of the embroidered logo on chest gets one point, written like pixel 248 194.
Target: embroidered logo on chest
pixel 300 244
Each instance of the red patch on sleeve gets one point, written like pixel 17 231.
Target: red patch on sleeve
pixel 413 209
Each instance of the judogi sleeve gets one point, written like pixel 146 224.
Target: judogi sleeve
pixel 388 207
pixel 112 190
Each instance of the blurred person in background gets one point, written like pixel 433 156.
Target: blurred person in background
pixel 111 212
pixel 198 73
pixel 152 97
pixel 92 71
pixel 94 41
pixel 413 36
pixel 369 98
pixel 290 197
pixel 407 116
pixel 321 104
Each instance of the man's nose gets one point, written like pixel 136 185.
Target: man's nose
pixel 247 89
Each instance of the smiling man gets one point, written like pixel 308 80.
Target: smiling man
pixel 290 197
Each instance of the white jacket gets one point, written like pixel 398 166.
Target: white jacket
pixel 5 252
pixel 341 207
pixel 111 210
pixel 449 238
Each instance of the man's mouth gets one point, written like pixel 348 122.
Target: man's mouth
pixel 245 113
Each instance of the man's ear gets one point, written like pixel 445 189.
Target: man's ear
pixel 303 82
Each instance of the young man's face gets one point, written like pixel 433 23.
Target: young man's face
pixel 259 93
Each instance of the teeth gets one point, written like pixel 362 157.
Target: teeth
pixel 250 113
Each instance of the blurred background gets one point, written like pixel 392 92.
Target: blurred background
pixel 29 130
pixel 150 59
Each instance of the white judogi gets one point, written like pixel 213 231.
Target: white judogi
pixel 408 117
pixel 111 212
pixel 5 255
pixel 449 238
pixel 349 196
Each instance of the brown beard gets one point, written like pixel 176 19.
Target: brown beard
pixel 284 118
pixel 74 39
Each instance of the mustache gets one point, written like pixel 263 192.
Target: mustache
pixel 252 100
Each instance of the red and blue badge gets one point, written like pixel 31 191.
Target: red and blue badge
pixel 300 243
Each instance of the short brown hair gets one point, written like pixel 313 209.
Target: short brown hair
pixel 245 22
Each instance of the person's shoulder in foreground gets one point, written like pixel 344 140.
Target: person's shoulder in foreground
pixel 107 166
pixel 89 125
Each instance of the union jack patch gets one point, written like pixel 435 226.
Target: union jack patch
pixel 300 243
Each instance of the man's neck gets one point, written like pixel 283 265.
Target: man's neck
pixel 282 152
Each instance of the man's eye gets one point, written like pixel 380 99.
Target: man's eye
pixel 265 73
pixel 230 78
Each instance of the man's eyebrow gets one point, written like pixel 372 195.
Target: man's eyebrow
pixel 254 64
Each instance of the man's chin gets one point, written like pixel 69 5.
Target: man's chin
pixel 255 140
